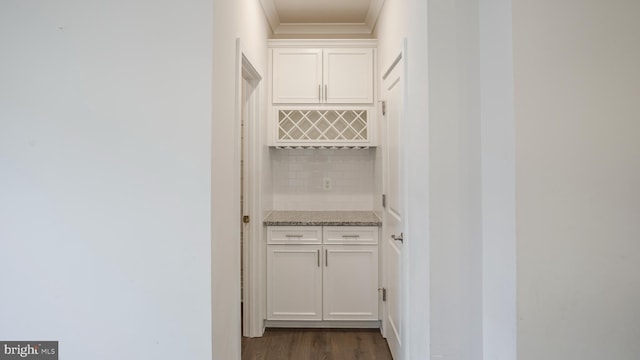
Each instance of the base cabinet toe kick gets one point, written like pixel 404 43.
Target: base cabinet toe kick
pixel 322 276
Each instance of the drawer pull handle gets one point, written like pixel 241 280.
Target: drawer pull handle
pixel 318 257
pixel 294 236
pixel 351 236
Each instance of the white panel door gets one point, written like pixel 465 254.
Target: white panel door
pixel 348 76
pixel 297 76
pixel 294 282
pixel 350 282
pixel 392 222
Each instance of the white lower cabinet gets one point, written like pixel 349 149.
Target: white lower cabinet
pixel 336 280
pixel 294 282
pixel 350 279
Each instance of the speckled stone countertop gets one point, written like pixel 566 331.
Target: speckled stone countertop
pixel 322 218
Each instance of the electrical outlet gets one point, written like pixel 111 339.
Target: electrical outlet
pixel 326 183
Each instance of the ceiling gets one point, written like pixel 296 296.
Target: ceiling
pixel 322 17
pixel 325 11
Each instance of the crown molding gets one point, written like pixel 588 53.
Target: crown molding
pixel 321 43
pixel 323 29
pixel 375 7
pixel 271 13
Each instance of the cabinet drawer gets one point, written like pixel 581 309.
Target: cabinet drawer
pixel 350 235
pixel 294 234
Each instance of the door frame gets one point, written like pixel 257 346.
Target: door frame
pixel 252 252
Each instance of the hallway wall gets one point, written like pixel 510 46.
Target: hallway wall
pixel 400 20
pixel 442 149
pixel 455 184
pixel 460 161
pixel 578 171
pixel 245 20
pixel 105 177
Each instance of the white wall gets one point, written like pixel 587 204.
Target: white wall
pixel 418 183
pixel 460 149
pixel 498 180
pixel 232 19
pixel 390 31
pixel 455 180
pixel 225 206
pixel 402 19
pixel 105 118
pixel 254 33
pixel 578 170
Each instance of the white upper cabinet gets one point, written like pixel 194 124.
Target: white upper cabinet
pixel 322 76
pixel 322 93
pixel 348 76
pixel 297 76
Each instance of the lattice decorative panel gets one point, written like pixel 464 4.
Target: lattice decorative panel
pixel 323 125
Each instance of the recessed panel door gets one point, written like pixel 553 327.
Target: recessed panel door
pixel 393 106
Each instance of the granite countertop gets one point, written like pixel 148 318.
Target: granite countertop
pixel 322 218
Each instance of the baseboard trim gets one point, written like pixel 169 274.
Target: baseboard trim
pixel 375 324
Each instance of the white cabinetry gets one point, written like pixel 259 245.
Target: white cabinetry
pixel 297 76
pixel 350 279
pixel 294 278
pixel 348 76
pixel 314 76
pixel 295 234
pixel 336 280
pixel 294 273
pixel 322 93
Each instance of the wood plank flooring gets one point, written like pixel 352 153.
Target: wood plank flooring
pixel 317 344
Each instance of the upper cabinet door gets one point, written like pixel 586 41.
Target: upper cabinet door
pixel 297 76
pixel 348 76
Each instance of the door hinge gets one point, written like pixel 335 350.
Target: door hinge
pixel 384 200
pixel 245 219
pixel 384 294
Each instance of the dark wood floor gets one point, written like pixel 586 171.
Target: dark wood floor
pixel 317 344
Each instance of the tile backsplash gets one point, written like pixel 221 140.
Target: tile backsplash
pixel 298 176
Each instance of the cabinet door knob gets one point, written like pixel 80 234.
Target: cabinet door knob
pixel 398 237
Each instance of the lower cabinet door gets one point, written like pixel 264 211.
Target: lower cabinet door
pixel 294 282
pixel 350 275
